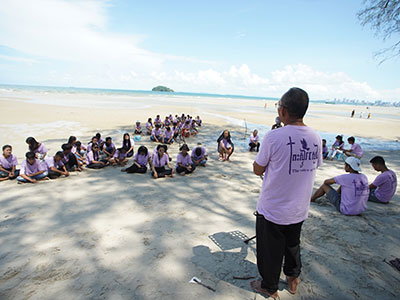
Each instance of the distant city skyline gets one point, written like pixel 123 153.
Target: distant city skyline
pixel 260 48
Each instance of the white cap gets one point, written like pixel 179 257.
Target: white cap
pixel 354 163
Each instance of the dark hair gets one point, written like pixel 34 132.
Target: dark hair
pixel 149 120
pixel 339 137
pixel 122 149
pixel 93 137
pixel 198 151
pixel 143 150
pixel 378 160
pixel 6 146
pixel 324 140
pixel 126 143
pixel 221 137
pixel 66 147
pixel 184 146
pixel 158 125
pixel 108 138
pixel 33 144
pixel 168 128
pixel 78 145
pixel 59 154
pixel 164 146
pixel 30 155
pixel 71 139
pixel 98 135
pixel 351 139
pixel 295 100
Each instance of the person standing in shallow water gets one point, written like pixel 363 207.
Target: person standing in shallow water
pixel 285 194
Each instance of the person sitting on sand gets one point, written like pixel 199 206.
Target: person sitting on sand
pixel 352 196
pixel 138 128
pixel 100 141
pixel 199 156
pixel 198 121
pixel 69 160
pixel 119 158
pixel 156 134
pixel 254 143
pixel 225 146
pixel 337 146
pixel 157 121
pixel 54 166
pixel 93 160
pixel 160 160
pixel 38 148
pixel 8 164
pixel 128 144
pixel 109 148
pixel 184 164
pixel 325 150
pixel 141 159
pixel 383 188
pixel 31 169
pixel 166 122
pixel 149 126
pixel 168 135
pixel 185 133
pixel 355 149
pixel 79 152
pixel 91 143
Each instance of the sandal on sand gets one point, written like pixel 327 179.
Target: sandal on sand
pixel 292 284
pixel 256 285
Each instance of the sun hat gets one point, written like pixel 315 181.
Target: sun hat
pixel 354 163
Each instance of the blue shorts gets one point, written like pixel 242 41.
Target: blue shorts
pixel 334 198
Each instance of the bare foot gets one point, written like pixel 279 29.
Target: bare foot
pixel 256 285
pixel 292 284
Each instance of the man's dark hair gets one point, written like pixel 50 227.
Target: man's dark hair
pixel 6 146
pixel 295 101
pixel 198 151
pixel 66 147
pixel 29 155
pixel 352 139
pixel 378 160
pixel 60 154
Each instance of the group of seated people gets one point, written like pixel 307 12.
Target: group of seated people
pixel 338 149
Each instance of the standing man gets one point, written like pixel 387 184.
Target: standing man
pixel 289 157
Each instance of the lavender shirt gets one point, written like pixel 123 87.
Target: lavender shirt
pixel 386 184
pixel 355 192
pixel 157 162
pixel 168 134
pixel 91 156
pixel 325 149
pixel 149 126
pixel 28 169
pixel 253 139
pixel 184 160
pixel 356 149
pixel 119 155
pixel 291 155
pixel 50 162
pixel 156 132
pixel 141 159
pixel 8 163
pixel 109 148
pixel 41 149
pixel 203 153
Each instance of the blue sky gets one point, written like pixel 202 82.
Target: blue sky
pixel 256 48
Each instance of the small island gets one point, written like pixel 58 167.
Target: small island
pixel 161 88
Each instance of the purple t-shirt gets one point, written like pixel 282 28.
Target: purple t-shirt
pixel 184 160
pixel 156 132
pixel 291 155
pixel 109 148
pixel 337 144
pixel 65 159
pixel 325 149
pixel 91 156
pixel 160 162
pixel 386 184
pixel 168 134
pixel 253 139
pixel 356 149
pixel 119 155
pixel 149 126
pixel 41 149
pixel 28 169
pixel 50 162
pixel 141 159
pixel 355 192
pixel 8 163
pixel 203 153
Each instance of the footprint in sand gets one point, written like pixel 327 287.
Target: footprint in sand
pixel 146 241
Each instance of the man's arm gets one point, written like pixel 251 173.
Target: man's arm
pixel 372 186
pixel 257 169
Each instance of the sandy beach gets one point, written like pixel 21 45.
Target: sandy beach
pixel 104 234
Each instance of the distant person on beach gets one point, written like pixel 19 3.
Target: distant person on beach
pixel 109 148
pixel 140 161
pixel 38 148
pixel 325 150
pixel 31 169
pixel 288 158
pixel 156 134
pixel 198 121
pixel 55 167
pixel 225 146
pixel 337 147
pixel 254 144
pixel 199 155
pixel 184 164
pixel 168 135
pixel 160 160
pixel 149 126
pixel 69 159
pixel 383 188
pixel 93 160
pixel 351 197
pixel 352 113
pixel 8 164
pixel 157 120
pixel 355 149
pixel 277 124
pixel 138 128
pixel 128 144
